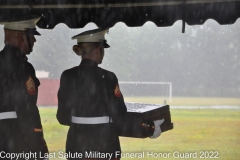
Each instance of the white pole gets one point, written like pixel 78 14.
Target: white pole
pixel 170 91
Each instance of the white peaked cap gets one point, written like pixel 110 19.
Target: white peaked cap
pixel 96 35
pixel 24 24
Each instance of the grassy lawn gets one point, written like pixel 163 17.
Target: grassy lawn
pixel 200 131
pixel 195 131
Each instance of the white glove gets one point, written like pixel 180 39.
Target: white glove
pixel 157 131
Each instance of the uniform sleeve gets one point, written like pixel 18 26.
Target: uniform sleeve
pixel 25 97
pixel 64 106
pixel 127 124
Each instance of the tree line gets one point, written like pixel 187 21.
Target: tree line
pixel 204 61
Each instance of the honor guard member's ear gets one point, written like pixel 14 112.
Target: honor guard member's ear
pixel 92 36
pixel 25 24
pixel 77 50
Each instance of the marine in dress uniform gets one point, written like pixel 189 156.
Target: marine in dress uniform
pixel 20 125
pixel 91 103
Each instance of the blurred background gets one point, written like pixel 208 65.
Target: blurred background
pixel 195 73
pixel 203 62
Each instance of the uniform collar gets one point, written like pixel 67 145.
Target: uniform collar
pixel 88 62
pixel 16 51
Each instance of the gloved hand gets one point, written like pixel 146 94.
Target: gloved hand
pixel 157 131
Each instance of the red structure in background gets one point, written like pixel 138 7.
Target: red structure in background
pixel 47 92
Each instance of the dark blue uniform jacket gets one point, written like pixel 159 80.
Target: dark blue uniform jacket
pixel 18 93
pixel 90 91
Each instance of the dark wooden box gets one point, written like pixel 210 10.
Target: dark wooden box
pixel 150 112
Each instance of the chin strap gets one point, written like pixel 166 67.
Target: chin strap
pixel 28 39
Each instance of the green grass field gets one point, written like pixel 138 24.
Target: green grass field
pixel 207 133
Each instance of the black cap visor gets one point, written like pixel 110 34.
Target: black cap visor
pixel 32 31
pixel 106 45
pixel 104 42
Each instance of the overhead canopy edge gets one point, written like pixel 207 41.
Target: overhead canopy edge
pixel 110 5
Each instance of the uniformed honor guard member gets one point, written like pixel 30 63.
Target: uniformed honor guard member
pixel 20 125
pixel 91 103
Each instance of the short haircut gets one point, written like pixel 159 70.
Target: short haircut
pixel 88 47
